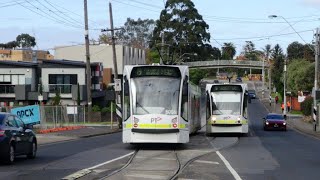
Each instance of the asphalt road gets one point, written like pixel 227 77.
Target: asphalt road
pixel 274 154
pixel 61 159
pixel 260 155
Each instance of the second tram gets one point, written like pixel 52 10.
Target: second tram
pixel 226 108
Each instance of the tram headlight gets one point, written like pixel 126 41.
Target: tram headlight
pixel 213 119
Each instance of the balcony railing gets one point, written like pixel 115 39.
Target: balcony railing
pixel 6 89
pixel 61 88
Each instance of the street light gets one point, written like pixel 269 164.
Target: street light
pixel 276 16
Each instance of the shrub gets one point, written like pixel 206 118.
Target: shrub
pixel 96 108
pixel 306 106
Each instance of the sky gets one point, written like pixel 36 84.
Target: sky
pixel 61 22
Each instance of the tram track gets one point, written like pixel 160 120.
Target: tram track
pixel 138 160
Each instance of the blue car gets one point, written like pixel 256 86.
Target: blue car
pixel 238 79
pixel 16 138
pixel 252 94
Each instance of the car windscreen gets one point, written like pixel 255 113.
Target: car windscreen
pixel 251 91
pixel 2 116
pixel 275 117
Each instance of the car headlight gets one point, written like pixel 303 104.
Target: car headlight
pixel 267 123
pixel 284 123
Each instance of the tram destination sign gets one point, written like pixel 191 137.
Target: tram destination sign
pixel 155 71
pixel 236 88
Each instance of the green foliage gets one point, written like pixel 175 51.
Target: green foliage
pixel 152 56
pixel 306 106
pixel 196 75
pixel 108 109
pixel 228 51
pixel 300 75
pixel 295 50
pixel 277 68
pixel 96 108
pixel 25 41
pixel 184 29
pixel 136 33
pixel 57 99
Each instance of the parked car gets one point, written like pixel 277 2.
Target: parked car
pixel 252 94
pixel 16 138
pixel 274 121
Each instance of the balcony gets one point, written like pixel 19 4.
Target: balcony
pixel 6 89
pixel 61 88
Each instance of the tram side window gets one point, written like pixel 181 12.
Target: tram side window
pixel 245 104
pixel 126 99
pixel 184 101
pixel 208 107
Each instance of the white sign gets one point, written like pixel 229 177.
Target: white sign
pixel 72 110
pixel 40 98
pixel 117 84
pixel 301 98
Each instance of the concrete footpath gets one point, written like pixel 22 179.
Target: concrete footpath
pixel 297 122
pixel 85 132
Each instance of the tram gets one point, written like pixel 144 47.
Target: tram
pixel 226 108
pixel 159 104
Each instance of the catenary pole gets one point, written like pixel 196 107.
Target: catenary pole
pixel 88 67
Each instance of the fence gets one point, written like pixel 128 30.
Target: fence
pixel 60 116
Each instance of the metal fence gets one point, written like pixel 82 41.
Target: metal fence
pixel 58 116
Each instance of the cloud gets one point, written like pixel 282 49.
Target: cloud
pixel 311 2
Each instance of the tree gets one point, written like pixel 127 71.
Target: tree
pixel 267 51
pixel 215 53
pixel 308 52
pixel 277 68
pixel 251 53
pixel 25 41
pixel 295 50
pixel 183 27
pixel 228 51
pixel 136 33
pixel 196 75
pixel 9 45
pixel 300 75
pixel 57 99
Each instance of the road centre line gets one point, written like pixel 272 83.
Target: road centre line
pixel 86 171
pixel 233 172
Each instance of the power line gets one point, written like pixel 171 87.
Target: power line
pixel 266 37
pixel 47 15
pixel 135 6
pixel 62 17
pixel 62 12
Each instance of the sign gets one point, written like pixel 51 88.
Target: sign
pixel 301 98
pixel 117 84
pixel 28 114
pixel 72 110
pixel 40 98
pixel 144 71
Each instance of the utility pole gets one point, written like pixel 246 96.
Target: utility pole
pixel 317 52
pixel 162 44
pixel 115 67
pixel 88 67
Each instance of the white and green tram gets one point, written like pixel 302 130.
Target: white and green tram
pixel 159 104
pixel 226 108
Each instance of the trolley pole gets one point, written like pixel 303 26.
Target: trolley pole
pixel 88 67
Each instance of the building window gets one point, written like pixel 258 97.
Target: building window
pixel 62 82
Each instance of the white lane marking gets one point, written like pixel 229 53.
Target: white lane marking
pixel 233 172
pixel 206 162
pixel 86 171
pixel 157 158
pixel 146 176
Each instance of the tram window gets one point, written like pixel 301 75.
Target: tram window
pixel 208 107
pixel 184 101
pixel 126 99
pixel 245 104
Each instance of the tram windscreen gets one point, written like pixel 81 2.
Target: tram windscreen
pixel 226 103
pixel 155 95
